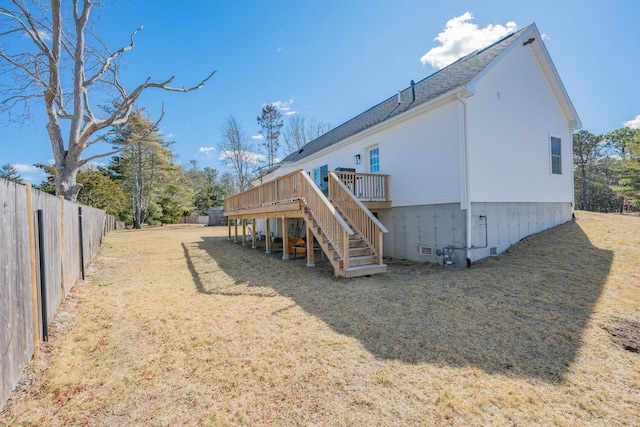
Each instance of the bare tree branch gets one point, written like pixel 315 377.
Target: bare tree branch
pixel 111 58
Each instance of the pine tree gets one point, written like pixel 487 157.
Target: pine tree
pixel 271 123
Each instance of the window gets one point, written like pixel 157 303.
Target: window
pixel 556 155
pixel 374 160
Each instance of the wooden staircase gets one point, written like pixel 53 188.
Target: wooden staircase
pixel 346 230
pixel 362 261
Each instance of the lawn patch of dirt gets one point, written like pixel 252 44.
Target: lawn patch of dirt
pixel 626 333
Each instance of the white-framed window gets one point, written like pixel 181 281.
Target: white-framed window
pixel 556 155
pixel 374 159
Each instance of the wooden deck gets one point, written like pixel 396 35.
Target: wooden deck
pixel 346 230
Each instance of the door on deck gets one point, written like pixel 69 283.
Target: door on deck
pixel 321 178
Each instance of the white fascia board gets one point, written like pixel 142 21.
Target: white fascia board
pixel 547 64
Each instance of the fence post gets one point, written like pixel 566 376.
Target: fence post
pixel 32 265
pixel 62 287
pixel 43 276
pixel 81 243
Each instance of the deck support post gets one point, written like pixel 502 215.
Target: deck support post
pixel 235 223
pixel 285 238
pixel 254 234
pixel 229 219
pixel 244 232
pixel 310 252
pixel 268 236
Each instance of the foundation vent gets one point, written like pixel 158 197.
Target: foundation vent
pixel 426 250
pixel 493 251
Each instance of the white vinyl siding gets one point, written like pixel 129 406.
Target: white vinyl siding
pixel 509 122
pixel 420 154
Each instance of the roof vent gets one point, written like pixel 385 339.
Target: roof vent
pixel 413 90
pixel 399 97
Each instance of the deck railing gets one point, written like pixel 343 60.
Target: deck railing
pixel 366 186
pixel 293 187
pixel 361 219
pixel 281 190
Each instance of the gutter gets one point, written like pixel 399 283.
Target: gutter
pixel 465 158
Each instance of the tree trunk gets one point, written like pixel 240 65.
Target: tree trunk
pixel 584 187
pixel 66 184
pixel 137 220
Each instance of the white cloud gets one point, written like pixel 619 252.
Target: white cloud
pixel 460 37
pixel 633 124
pixel 258 136
pixel 249 156
pixel 22 168
pixel 44 35
pixel 206 152
pixel 93 166
pixel 285 106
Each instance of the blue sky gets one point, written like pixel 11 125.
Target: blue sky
pixel 331 60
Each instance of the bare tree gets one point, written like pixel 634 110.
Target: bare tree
pixel 236 151
pixel 39 72
pixel 300 130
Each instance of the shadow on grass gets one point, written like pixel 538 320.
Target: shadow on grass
pixel 522 313
pixel 205 286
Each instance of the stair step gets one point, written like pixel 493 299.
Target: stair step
pixel 354 252
pixel 357 260
pixel 362 260
pixel 357 242
pixel 363 270
pixel 360 251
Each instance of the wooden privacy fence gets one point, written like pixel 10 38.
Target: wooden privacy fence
pixel 45 243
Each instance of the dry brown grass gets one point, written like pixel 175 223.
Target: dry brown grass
pixel 178 326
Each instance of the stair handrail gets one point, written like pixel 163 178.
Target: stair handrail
pixel 361 218
pixel 334 227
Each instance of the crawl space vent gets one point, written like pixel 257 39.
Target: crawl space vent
pixel 426 250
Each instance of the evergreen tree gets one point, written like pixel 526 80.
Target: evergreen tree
pixel 271 123
pixel 9 172
pixel 142 164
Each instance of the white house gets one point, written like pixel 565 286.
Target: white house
pixel 466 162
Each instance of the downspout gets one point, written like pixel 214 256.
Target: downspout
pixel 466 178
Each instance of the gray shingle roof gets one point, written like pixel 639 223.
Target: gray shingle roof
pixel 451 77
